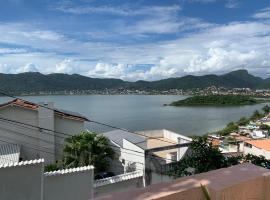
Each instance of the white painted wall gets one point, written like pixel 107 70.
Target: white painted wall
pixel 27 181
pixel 134 155
pixel 68 126
pixel 256 151
pixel 69 186
pixel 23 182
pixel 31 146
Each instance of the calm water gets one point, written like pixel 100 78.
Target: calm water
pixel 135 112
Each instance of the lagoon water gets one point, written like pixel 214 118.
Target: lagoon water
pixel 141 112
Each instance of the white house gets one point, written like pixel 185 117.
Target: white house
pixel 257 147
pixel 257 134
pixel 133 149
pixel 43 142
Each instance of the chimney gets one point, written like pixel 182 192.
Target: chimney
pixel 46 123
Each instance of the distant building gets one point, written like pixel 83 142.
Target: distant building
pixel 36 142
pixel 258 147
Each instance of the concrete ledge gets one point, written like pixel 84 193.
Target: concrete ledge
pixel 241 182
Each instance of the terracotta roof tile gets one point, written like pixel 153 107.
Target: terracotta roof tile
pixel 262 144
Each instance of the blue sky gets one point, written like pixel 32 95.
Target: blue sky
pixel 135 40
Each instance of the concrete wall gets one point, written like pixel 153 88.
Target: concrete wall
pixel 46 121
pixel 22 181
pixel 26 181
pixel 256 151
pixel 119 186
pixel 68 126
pixel 69 186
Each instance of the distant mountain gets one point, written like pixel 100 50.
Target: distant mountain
pixel 235 79
pixel 36 82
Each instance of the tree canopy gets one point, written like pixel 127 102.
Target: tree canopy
pixel 87 148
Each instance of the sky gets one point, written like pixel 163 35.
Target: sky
pixel 135 39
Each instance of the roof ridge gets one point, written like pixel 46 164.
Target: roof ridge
pixel 68 171
pixel 22 163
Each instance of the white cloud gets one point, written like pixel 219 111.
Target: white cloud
pixel 212 48
pixel 66 66
pixel 12 50
pixel 29 67
pixel 263 14
pixel 120 10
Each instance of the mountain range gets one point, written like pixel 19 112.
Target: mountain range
pixel 36 82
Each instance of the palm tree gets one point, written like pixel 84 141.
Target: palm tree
pixel 87 148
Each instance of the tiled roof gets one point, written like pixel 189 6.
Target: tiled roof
pixel 9 153
pixel 23 163
pixel 262 144
pixel 34 106
pixel 67 171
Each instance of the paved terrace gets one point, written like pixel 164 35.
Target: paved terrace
pixel 241 182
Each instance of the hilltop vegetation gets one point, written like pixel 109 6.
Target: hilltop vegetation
pixel 34 82
pixel 216 100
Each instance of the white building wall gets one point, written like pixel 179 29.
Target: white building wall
pixel 46 121
pixel 37 143
pixel 26 137
pixel 135 156
pixel 257 152
pixel 67 126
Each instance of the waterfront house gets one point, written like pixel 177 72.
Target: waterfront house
pixel 150 151
pixel 36 129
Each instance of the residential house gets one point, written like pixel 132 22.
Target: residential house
pixel 146 150
pixel 258 147
pixel 18 126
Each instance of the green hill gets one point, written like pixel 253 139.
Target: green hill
pixel 34 82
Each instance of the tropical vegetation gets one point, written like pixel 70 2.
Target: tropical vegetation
pixel 86 148
pixel 203 157
pixel 216 100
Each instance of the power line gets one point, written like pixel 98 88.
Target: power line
pixel 24 125
pixel 100 123
pixel 87 120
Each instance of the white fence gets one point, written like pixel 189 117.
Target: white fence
pixel 119 183
pixel 118 178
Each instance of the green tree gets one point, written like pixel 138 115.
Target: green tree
pixel 243 121
pixel 256 160
pixel 231 127
pixel 256 115
pixel 266 109
pixel 203 157
pixel 87 148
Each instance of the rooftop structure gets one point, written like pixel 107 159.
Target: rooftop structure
pixel 34 106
